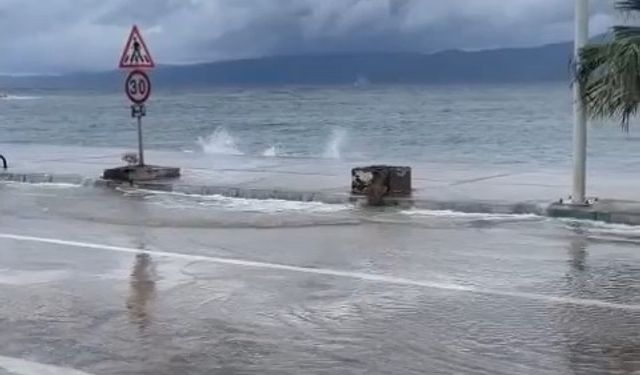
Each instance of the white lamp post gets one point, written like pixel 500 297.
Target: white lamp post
pixel 580 117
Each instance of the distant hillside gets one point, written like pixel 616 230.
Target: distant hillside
pixel 545 63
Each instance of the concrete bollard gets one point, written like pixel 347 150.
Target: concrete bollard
pixel 379 181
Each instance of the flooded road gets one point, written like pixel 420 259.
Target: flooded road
pixel 131 282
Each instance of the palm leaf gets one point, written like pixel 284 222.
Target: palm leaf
pixel 628 5
pixel 610 77
pixel 627 33
pixel 609 73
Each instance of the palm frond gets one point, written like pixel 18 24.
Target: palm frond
pixel 628 5
pixel 609 72
pixel 626 33
pixel 610 77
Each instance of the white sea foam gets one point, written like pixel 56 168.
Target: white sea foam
pixel 470 215
pixel 602 230
pixel 190 201
pixel 49 185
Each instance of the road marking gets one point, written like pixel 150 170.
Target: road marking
pixel 330 272
pixel 23 367
pixel 485 178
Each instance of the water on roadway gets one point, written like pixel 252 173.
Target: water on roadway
pixel 97 281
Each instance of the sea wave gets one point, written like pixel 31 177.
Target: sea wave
pixel 20 97
pixel 470 215
pixel 190 201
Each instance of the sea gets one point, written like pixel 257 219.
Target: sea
pixel 485 124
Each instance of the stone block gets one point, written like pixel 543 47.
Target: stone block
pixel 134 173
pixel 379 181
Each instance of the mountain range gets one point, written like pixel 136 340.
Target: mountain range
pixel 518 65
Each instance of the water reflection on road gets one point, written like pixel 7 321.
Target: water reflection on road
pixel 142 291
pixel 598 341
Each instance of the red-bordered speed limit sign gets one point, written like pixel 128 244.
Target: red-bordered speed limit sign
pixel 138 86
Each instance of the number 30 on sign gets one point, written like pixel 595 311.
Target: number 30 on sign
pixel 138 87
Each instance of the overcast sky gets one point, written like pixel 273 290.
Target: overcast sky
pixel 55 36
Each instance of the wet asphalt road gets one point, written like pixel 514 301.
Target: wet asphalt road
pixel 112 282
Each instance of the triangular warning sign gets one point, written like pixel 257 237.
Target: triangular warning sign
pixel 136 54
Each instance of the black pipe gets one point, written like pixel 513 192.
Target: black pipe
pixel 4 162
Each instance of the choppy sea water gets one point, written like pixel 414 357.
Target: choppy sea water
pixel 508 124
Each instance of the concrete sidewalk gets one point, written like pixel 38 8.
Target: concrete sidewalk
pixel 461 187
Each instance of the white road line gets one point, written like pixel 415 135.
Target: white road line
pixel 330 272
pixel 23 367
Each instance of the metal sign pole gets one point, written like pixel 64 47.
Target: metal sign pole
pixel 140 146
pixel 138 111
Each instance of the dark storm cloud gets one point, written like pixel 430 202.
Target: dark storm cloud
pixel 62 35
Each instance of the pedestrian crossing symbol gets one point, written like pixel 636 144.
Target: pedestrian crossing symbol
pixel 136 55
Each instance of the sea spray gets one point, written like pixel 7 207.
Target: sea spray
pixel 220 142
pixel 271 152
pixel 333 148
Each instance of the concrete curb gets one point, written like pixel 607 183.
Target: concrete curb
pixel 44 178
pixel 470 206
pixel 611 211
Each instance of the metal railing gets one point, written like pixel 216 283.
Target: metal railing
pixel 4 162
